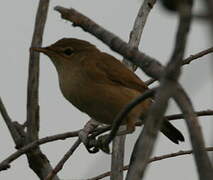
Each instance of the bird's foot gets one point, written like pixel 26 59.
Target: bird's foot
pixel 102 143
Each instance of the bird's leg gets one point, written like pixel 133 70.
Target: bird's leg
pixel 84 133
pixel 102 140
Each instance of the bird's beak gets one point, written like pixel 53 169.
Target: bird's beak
pixel 39 49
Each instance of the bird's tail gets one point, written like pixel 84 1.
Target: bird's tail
pixel 171 132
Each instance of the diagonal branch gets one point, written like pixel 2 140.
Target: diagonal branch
pixel 6 163
pixel 198 113
pixel 154 159
pixel 187 61
pixel 61 163
pixel 203 163
pixel 15 135
pixel 197 55
pixel 136 33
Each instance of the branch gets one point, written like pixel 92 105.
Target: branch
pixel 154 159
pixel 187 61
pixel 61 163
pixel 203 163
pixel 181 116
pixel 38 162
pixel 6 163
pixel 136 33
pixel 197 55
pixel 15 135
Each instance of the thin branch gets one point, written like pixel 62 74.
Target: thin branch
pixel 15 135
pixel 136 33
pixel 181 116
pixel 61 163
pixel 154 159
pixel 32 145
pixel 187 61
pixel 197 55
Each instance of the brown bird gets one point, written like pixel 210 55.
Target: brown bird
pixel 99 84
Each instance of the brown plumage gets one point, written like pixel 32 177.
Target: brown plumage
pixel 98 84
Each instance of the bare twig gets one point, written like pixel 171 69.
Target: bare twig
pixel 186 61
pixel 154 159
pixel 136 33
pixel 34 144
pixel 15 135
pixel 61 163
pixel 181 116
pixel 197 55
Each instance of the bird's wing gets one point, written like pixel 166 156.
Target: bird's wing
pixel 112 71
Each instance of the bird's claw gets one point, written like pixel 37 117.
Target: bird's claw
pixel 93 145
pixel 101 143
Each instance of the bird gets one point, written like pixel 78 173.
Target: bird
pixel 99 85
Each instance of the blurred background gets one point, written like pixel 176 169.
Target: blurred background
pixel 58 116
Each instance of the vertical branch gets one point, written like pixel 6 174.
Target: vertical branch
pixel 38 162
pixel 33 73
pixel 118 151
pixel 118 146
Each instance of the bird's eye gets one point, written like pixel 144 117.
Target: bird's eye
pixel 68 51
